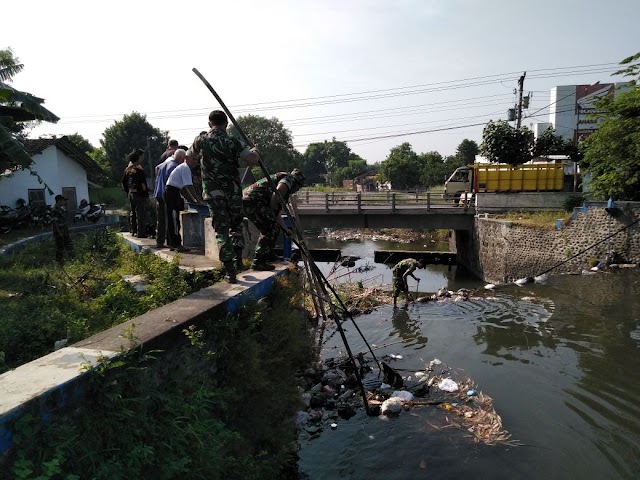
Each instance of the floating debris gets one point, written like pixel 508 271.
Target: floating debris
pixel 331 396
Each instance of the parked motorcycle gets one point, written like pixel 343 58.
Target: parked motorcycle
pixel 89 211
pixel 11 218
pixel 41 216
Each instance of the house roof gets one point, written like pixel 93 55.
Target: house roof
pixel 94 172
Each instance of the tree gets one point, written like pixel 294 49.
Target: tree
pixel 82 143
pixel 16 107
pixel 402 167
pixel 434 169
pixel 355 167
pixel 328 159
pixel 10 66
pixel 612 154
pixel 273 139
pixel 632 67
pixel 126 135
pixel 502 143
pixel 466 152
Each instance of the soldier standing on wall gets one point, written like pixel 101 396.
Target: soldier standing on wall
pixel 262 206
pixel 219 154
pixel 134 183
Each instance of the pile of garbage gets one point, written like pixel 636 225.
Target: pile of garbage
pixel 333 394
pixel 443 294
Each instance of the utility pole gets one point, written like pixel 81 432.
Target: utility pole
pixel 520 89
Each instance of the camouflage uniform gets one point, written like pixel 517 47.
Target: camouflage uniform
pixel 407 266
pixel 256 202
pixel 61 231
pixel 219 153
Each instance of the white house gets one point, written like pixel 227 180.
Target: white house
pixel 61 165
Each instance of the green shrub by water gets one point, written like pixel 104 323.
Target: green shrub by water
pixel 220 405
pixel 43 301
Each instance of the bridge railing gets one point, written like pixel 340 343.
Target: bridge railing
pixel 359 201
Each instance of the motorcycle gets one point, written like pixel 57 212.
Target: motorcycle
pixel 41 216
pixel 89 211
pixel 11 218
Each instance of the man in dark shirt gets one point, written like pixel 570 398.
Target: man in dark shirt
pixel 60 228
pixel 134 183
pixel 173 146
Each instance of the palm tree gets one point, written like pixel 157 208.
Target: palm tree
pixel 9 65
pixel 16 107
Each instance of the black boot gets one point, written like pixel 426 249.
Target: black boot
pixel 231 271
pixel 239 264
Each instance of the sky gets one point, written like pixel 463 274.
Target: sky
pixel 356 70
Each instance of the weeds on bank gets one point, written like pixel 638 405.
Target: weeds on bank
pixel 545 219
pixel 44 302
pixel 183 413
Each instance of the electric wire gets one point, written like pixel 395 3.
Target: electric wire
pixel 396 91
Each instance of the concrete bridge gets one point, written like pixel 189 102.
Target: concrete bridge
pixel 382 210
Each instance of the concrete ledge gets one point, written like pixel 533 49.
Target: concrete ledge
pixel 41 236
pixel 212 250
pixel 59 379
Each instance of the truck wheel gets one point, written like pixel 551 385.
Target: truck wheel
pixel 456 199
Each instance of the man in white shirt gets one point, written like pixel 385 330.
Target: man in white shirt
pixel 179 182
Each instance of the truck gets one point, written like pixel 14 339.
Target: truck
pixel 487 177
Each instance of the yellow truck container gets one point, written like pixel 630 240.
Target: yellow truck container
pixel 487 177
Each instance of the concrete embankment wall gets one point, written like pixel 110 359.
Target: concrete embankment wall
pixel 501 251
pixel 58 382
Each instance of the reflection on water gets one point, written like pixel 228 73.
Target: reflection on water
pixel 561 362
pixel 407 328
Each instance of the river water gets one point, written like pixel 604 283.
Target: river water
pixel 560 360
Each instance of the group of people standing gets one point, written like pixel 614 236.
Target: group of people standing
pixel 218 154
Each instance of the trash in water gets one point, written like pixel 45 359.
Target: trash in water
pixel 523 281
pixel 490 286
pixel 463 405
pixel 448 385
pixel 434 362
pixel 396 357
pixel 541 278
pixel 403 395
pixel 391 406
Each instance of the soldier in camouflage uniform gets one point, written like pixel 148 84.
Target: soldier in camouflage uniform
pixel 262 206
pixel 219 153
pixel 60 228
pixel 401 271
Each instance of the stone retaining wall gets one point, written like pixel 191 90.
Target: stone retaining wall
pixel 501 251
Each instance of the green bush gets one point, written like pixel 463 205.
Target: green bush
pixel 220 405
pixel 572 202
pixel 44 302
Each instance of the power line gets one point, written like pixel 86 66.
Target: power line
pixel 391 92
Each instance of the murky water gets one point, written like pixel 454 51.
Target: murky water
pixel 561 361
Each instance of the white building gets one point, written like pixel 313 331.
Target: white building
pixel 61 165
pixel 571 107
